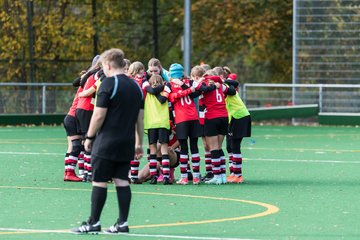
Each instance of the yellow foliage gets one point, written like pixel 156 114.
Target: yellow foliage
pixel 238 33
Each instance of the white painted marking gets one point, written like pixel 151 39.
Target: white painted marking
pixel 301 160
pixel 17 230
pixel 246 159
pixel 32 153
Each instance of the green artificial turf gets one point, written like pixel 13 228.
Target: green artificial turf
pixel 311 174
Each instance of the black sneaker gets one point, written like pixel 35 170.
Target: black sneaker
pixel 85 177
pixel 207 177
pixel 89 178
pixel 135 181
pixel 87 228
pixel 190 176
pixel 153 180
pixel 166 181
pixel 118 228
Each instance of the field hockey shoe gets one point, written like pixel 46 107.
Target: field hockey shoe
pixel 230 178
pixel 183 181
pixel 118 228
pixel 167 181
pixel 196 181
pixel 215 180
pixel 153 179
pixel 239 179
pixel 223 179
pixel 85 176
pixel 89 178
pixel 71 177
pixel 207 177
pixel 135 181
pixel 87 228
pixel 160 178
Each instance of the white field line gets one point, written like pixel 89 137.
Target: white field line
pixel 32 153
pixel 334 135
pixel 246 159
pixel 19 230
pixel 301 160
pixel 301 149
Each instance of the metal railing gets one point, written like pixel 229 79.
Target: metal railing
pixel 330 97
pixel 52 98
pixel 35 98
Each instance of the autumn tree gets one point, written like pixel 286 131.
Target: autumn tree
pixel 252 37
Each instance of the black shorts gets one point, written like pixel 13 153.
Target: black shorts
pixel 188 129
pixel 240 128
pixel 158 134
pixel 202 130
pixel 104 170
pixel 83 118
pixel 216 126
pixel 71 126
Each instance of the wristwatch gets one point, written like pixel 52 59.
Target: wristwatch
pixel 90 138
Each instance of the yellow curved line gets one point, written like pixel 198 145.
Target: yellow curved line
pixel 270 209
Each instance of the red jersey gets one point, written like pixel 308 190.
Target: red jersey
pixel 140 82
pixel 184 105
pixel 75 102
pixel 86 103
pixel 215 102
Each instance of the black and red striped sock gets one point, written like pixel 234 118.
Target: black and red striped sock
pixel 66 162
pixel 184 160
pixel 195 159
pixel 134 168
pixel 208 166
pixel 165 163
pixel 216 163
pixel 153 165
pixel 222 162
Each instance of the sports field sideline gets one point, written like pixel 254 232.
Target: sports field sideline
pixel 301 183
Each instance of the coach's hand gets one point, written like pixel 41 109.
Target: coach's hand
pixel 88 145
pixel 139 152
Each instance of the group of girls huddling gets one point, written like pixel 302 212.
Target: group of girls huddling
pixel 178 109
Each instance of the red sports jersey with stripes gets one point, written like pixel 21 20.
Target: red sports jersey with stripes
pixel 86 103
pixel 140 82
pixel 75 103
pixel 215 102
pixel 184 105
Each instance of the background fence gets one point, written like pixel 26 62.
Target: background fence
pixel 56 98
pixel 336 98
pixel 35 98
pixel 326 42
